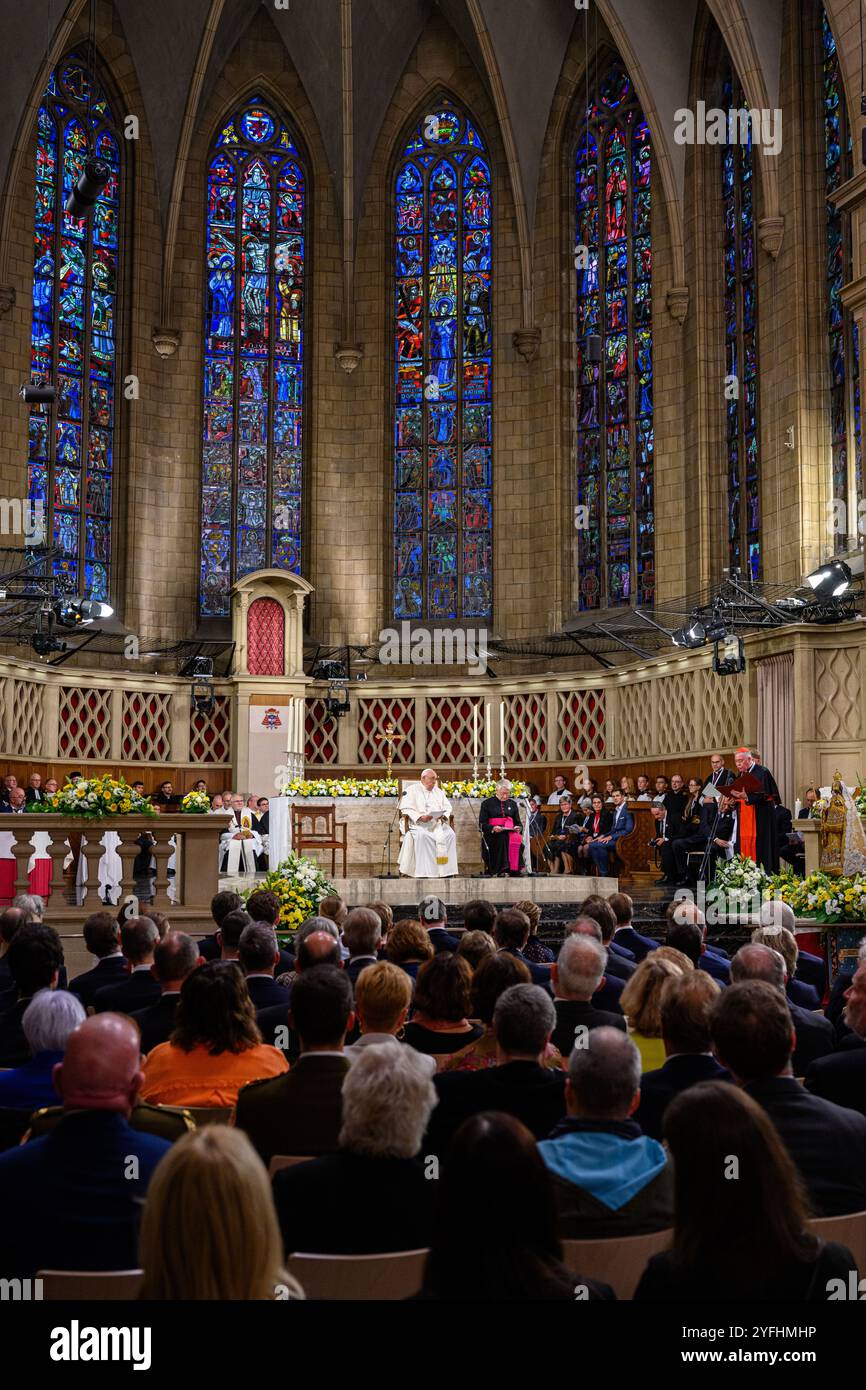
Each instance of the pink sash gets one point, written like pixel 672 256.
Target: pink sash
pixel 514 840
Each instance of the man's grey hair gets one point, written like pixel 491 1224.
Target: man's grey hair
pixel 604 1074
pixel 314 924
pixel 31 903
pixel 580 966
pixel 756 962
pixel 523 1019
pixel 775 913
pixel 49 1018
pixel 362 931
pixel 257 947
pixel 583 926
pixel 388 1097
pixel 504 783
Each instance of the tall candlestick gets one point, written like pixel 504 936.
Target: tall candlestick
pixel 475 733
pixel 487 733
pixel 502 733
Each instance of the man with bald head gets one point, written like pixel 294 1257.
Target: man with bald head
pixel 429 848
pixel 78 1190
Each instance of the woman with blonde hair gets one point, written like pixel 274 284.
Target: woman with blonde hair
pixel 641 1002
pixel 383 996
pixel 209 1229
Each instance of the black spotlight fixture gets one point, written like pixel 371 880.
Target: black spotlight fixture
pixel 337 702
pixel 729 656
pixel 37 393
pixel 694 635
pixel 77 612
pixel 83 196
pixel 830 581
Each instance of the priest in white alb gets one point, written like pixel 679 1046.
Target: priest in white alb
pixel 429 848
pixel 241 842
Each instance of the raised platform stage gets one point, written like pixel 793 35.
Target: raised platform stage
pixel 462 889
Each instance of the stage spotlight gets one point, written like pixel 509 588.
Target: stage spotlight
pixel 83 196
pixel 80 611
pixel 692 636
pixel 831 580
pixel 203 698
pixel 197 668
pixel 729 657
pixel 37 393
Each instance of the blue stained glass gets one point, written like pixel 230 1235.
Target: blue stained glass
pixel 614 456
pixel 73 326
pixel 442 541
pixel 253 387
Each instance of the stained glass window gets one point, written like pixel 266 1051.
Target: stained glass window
pixel 741 342
pixel 443 542
pixel 74 330
pixel 252 443
pixel 614 446
pixel 841 328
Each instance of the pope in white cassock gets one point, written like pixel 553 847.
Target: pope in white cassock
pixel 429 848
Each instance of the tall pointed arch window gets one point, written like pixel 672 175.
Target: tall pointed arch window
pixel 614 445
pixel 254 354
pixel 74 332
pixel 843 338
pixel 742 419
pixel 442 482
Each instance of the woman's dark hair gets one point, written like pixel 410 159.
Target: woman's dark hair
pixel 215 1011
pixel 504 1246
pixel 493 976
pixel 596 797
pixel 443 988
pixel 754 1224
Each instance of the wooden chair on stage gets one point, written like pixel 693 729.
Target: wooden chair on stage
pixel 324 832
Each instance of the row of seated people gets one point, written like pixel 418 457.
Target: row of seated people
pixel 613 1110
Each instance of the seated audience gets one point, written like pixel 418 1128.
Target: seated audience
pixel 688 939
pixel 221 905
pixel 687 910
pixel 10 920
pixel 479 915
pixel 440 1023
pixel 511 933
pixel 102 938
pixel 334 909
pixel 808 969
pixel 318 945
pixel 686 1008
pixel 264 906
pixel 362 934
pixel 641 1003
pixel 609 1179
pixel 577 974
pixel 299 1113
pixel 258 957
pixel 476 946
pixel 382 1002
pixel 32 905
pixel 230 932
pixel 77 1190
pixel 386 920
pixel 754 1038
pixel 565 837
pixel 387 1099
pixel 216 1046
pixel 814 1034
pixel 534 951
pixel 35 959
pixel 409 946
pixel 609 992
pixel 433 916
pixel 781 939
pixel 603 848
pixel 478 1254
pixel 49 1018
pixel 842 1077
pixel 735 1240
pixel 174 959
pixel 520 1083
pixel 621 961
pixel 493 977
pixel 625 937
pixel 138 939
pixel 209 1230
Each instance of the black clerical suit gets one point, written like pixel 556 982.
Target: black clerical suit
pixel 495 843
pixel 763 803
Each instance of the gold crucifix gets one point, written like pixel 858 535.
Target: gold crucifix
pixel 389 738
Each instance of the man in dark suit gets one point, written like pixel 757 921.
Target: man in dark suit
pixel 720 776
pixel 511 933
pixel 300 1112
pixel 17 803
pixel 842 1076
pixel 624 934
pixel 754 1038
pixel 688 937
pixel 686 1006
pixel 620 961
pixel 78 1191
pixel 264 906
pixel 814 1034
pixel 101 934
pixel 34 790
pixel 164 794
pixel 617 971
pixel 11 920
pixel 318 947
pixel 138 938
pixel 35 958
pixel 174 958
pixel 662 840
pixel 258 955
pixel 433 914
pixel 523 1022
pixel 362 932
pixel 622 823
pixel 577 974
pixel 221 905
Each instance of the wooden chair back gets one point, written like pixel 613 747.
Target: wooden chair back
pixel 74 1284
pixel 617 1261
pixel 342 1278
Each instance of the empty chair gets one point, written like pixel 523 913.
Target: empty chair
pixel 359 1277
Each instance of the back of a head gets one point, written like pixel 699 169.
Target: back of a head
pixel 408 940
pixel 101 934
pixel 479 915
pixel 495 974
pixel 233 927
pixel 476 946
pixel 383 992
pixel 257 948
pixel 605 1075
pixel 640 1001
pixel 362 931
pixel 175 957
pixel 756 962
pixel 776 913
pixel 315 924
pixel 742 1229
pixel 49 1019
pixel 580 965
pixel 532 911
pixel 10 921
pixel 222 904
pixel 523 1020
pixel 35 956
pixel 317 948
pixel 600 910
pixel 209 1229
pixel 511 929
pixel 432 911
pixel 584 926
pixel 779 939
pixel 388 1097
pixel 101 1065
pixel 622 907
pixel 686 1011
pixel 264 906
pixel 138 937
pixel 31 904
pixel 686 937
pixel 685 910
pixel 321 1005
pixel 443 988
pixel 385 915
pixel 334 908
pixel 752 1031
pixel 215 1011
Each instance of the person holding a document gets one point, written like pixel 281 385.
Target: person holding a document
pixel 429 848
pixel 756 795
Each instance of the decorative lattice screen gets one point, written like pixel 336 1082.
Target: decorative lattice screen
pixel 635 736
pixel 210 735
pixel 373 716
pixel 525 728
pixel 449 728
pixel 85 722
pixel 321 735
pixel 27 719
pixel 146 726
pixel 722 700
pixel 581 723
pixel 678 713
